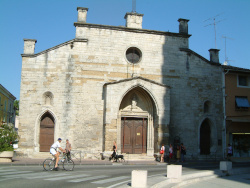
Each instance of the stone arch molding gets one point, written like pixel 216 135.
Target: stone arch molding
pixel 114 93
pixel 214 137
pixel 37 127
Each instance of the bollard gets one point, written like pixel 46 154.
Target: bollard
pixel 139 178
pixel 174 171
pixel 225 165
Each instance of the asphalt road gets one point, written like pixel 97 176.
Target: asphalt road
pixel 82 176
pixel 90 176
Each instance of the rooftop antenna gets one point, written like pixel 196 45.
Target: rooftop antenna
pixel 214 23
pixel 134 6
pixel 226 59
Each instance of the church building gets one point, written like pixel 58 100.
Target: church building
pixel 140 88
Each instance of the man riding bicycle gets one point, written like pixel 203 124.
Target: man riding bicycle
pixel 55 153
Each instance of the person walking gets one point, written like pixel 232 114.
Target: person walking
pixel 170 152
pixel 229 151
pixel 162 152
pixel 178 153
pixel 114 152
pixel 183 152
pixel 68 148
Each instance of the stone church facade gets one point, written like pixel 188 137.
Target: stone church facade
pixel 138 87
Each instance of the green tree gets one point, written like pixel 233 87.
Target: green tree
pixel 8 136
pixel 16 107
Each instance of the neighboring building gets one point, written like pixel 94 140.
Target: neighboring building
pixel 7 111
pixel 138 87
pixel 237 105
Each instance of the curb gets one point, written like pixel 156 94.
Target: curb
pixel 199 176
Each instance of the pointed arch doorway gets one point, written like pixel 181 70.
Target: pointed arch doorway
pixel 136 122
pixel 205 137
pixel 47 125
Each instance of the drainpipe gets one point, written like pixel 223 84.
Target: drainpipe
pixel 224 128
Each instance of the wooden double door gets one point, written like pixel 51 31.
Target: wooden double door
pixel 134 135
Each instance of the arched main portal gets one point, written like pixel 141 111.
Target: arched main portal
pixel 136 114
pixel 46 138
pixel 205 137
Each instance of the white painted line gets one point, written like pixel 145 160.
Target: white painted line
pixel 69 176
pixel 110 180
pixel 14 172
pixel 25 175
pixel 50 175
pixel 87 179
pixel 8 170
pixel 115 185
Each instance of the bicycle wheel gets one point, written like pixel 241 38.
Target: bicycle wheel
pixel 48 164
pixel 68 164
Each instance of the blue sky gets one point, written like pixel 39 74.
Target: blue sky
pixel 51 23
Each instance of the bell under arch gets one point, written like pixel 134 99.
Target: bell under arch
pixel 136 116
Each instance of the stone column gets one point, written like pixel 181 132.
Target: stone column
pixel 183 26
pixel 214 55
pixel 82 14
pixel 133 20
pixel 29 46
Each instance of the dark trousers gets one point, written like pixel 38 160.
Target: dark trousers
pixel 68 155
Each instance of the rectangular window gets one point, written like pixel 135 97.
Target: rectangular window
pixel 243 81
pixel 241 103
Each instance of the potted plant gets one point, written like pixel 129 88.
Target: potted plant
pixel 8 136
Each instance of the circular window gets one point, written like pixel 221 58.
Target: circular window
pixel 133 55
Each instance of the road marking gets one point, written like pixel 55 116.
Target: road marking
pixel 127 181
pixel 8 170
pixel 69 176
pixel 87 179
pixel 110 180
pixel 26 175
pixel 49 175
pixel 14 172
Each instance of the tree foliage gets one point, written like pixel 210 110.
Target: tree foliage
pixel 8 137
pixel 16 107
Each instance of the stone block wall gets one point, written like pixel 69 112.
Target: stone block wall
pixel 75 72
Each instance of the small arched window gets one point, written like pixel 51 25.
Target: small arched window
pixel 207 107
pixel 48 98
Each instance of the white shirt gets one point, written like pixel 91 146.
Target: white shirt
pixel 56 145
pixel 230 150
pixel 163 148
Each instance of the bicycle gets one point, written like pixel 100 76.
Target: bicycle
pixel 68 163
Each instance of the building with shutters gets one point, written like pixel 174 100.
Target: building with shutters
pixel 138 87
pixel 237 106
pixel 7 111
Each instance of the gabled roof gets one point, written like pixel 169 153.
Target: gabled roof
pixel 135 78
pixel 55 47
pixel 235 69
pixel 128 29
pixel 199 56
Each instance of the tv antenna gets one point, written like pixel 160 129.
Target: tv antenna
pixel 134 6
pixel 214 23
pixel 226 59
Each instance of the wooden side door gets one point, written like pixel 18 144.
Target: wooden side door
pixel 46 133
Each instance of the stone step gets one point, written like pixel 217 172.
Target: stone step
pixel 42 155
pixel 137 157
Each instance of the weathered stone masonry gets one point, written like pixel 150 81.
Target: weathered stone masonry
pixel 87 86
